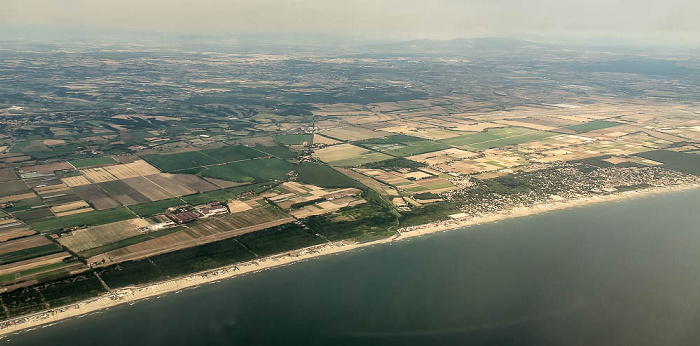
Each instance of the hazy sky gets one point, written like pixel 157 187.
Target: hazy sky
pixel 383 19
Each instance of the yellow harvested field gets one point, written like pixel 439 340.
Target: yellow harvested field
pixel 132 170
pixel 238 206
pixel 15 198
pixel 352 133
pixel 69 206
pixel 76 181
pixel 73 212
pixel 53 142
pixel 98 175
pixel 6 235
pixel 318 139
pixel 427 132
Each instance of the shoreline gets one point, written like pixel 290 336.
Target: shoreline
pixel 132 294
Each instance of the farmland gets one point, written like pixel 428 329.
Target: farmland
pixel 348 155
pixel 297 139
pixel 252 170
pixel 495 138
pixel 402 145
pixel 260 153
pixel 157 207
pixel 592 126
pixel 96 161
pixel 93 218
pixel 180 161
pixel 225 194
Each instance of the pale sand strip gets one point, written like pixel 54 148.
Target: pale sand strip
pixel 132 294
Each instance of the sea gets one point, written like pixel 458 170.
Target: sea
pixel 617 273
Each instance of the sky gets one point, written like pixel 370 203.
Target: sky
pixel 371 19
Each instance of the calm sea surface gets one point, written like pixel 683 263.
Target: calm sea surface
pixel 621 273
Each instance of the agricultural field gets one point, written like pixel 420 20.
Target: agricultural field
pixel 252 170
pixel 95 161
pixel 495 138
pixel 401 145
pixel 297 139
pixel 352 133
pixel 348 155
pixel 322 175
pixel 11 228
pixel 226 194
pixel 92 237
pixel 180 161
pixel 123 242
pixel 232 153
pixel 198 233
pixel 157 207
pixel 277 151
pixel 92 218
pixel 26 248
pixel 592 126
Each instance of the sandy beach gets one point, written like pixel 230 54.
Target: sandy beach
pixel 136 293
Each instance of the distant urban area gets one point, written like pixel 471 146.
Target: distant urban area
pixel 125 164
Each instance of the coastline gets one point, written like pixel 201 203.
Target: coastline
pixel 135 293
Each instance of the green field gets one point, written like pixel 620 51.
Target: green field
pixel 128 241
pixel 179 161
pixel 31 215
pixel 416 148
pixel 19 147
pixel 93 161
pixel 25 254
pixel 224 194
pixel 592 126
pixel 277 150
pixel 251 170
pixel 232 153
pixel 682 162
pixel 47 268
pixel 361 159
pixel 496 138
pixel 157 207
pixel 25 204
pixel 279 239
pixel 402 145
pixel 294 139
pixel 323 176
pixel 395 163
pixel 91 218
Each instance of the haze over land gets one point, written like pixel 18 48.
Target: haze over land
pixel 643 21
